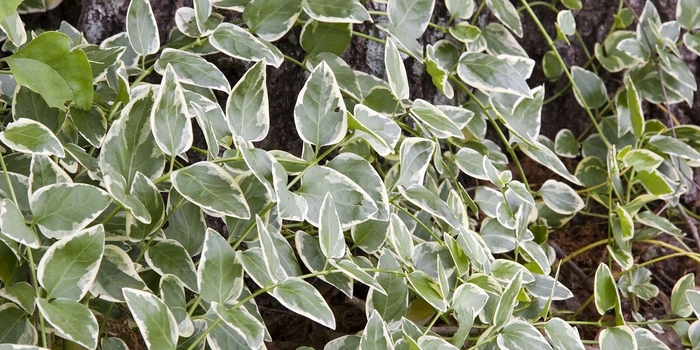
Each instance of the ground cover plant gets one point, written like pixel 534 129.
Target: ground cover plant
pixel 105 198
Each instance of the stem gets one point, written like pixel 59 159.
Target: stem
pixel 566 70
pixel 37 292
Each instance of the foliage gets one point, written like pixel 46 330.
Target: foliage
pixel 104 197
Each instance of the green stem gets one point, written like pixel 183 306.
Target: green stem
pixel 37 292
pixel 566 70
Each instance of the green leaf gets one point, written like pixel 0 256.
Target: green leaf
pixel 394 304
pixel 22 294
pixel 15 327
pixel 617 338
pixel 330 233
pixel 679 301
pixel 566 145
pixel 489 73
pixel 468 301
pixel 212 188
pixel 370 235
pixel 385 132
pixel 155 321
pixel 8 8
pixel 560 197
pixel 522 116
pixel 116 271
pixel 317 37
pixel 352 203
pixel 376 335
pixel 71 320
pixel 129 145
pixel 13 27
pixel 170 120
pixel 506 13
pixel 646 340
pixel 169 257
pixel 271 19
pixel 247 108
pixel 147 194
pixel 310 253
pixel 634 103
pixel 520 334
pixel 642 160
pixel 395 70
pixel 355 272
pixel 184 223
pixel 92 124
pixel 65 74
pixel 173 295
pixel 13 226
pixel 202 10
pixel 460 9
pixel 29 104
pixel 319 113
pixel 63 209
pixel 303 299
pixel 238 43
pixel 427 289
pixel 562 335
pixel 506 304
pixel 437 122
pixel 572 4
pixel 693 297
pixel 70 266
pixel 415 156
pixel 192 69
pixel 546 157
pixel 28 136
pixel 410 16
pixel 142 28
pixel 430 202
pixel 219 275
pixel 591 87
pixel 433 342
pixel 566 22
pixel 363 174
pixel 401 239
pixel 113 343
pixel 336 11
pixel 269 252
pixel 243 323
pixel 672 146
pixel 688 14
pixel 606 296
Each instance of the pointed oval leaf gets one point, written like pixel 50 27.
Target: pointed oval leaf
pixel 28 136
pixel 617 338
pixel 63 209
pixel 71 319
pixel 239 43
pixel 336 11
pixel 562 335
pixel 142 28
pixel 116 272
pixel 168 257
pixel 156 323
pixel 65 74
pixel 506 304
pixel 170 121
pixel 560 197
pixel 430 202
pixel 192 69
pixel 410 16
pixel 243 323
pixel 437 122
pixel 606 295
pixel 70 265
pixel 376 335
pixel 489 73
pixel 395 70
pixel 330 233
pixel 219 275
pixel 305 300
pixel 312 257
pixel 247 108
pixel 212 188
pixel 271 19
pixel 13 226
pixel 593 93
pixel 520 334
pixel 415 155
pixel 352 203
pixel 319 113
pixel 428 289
